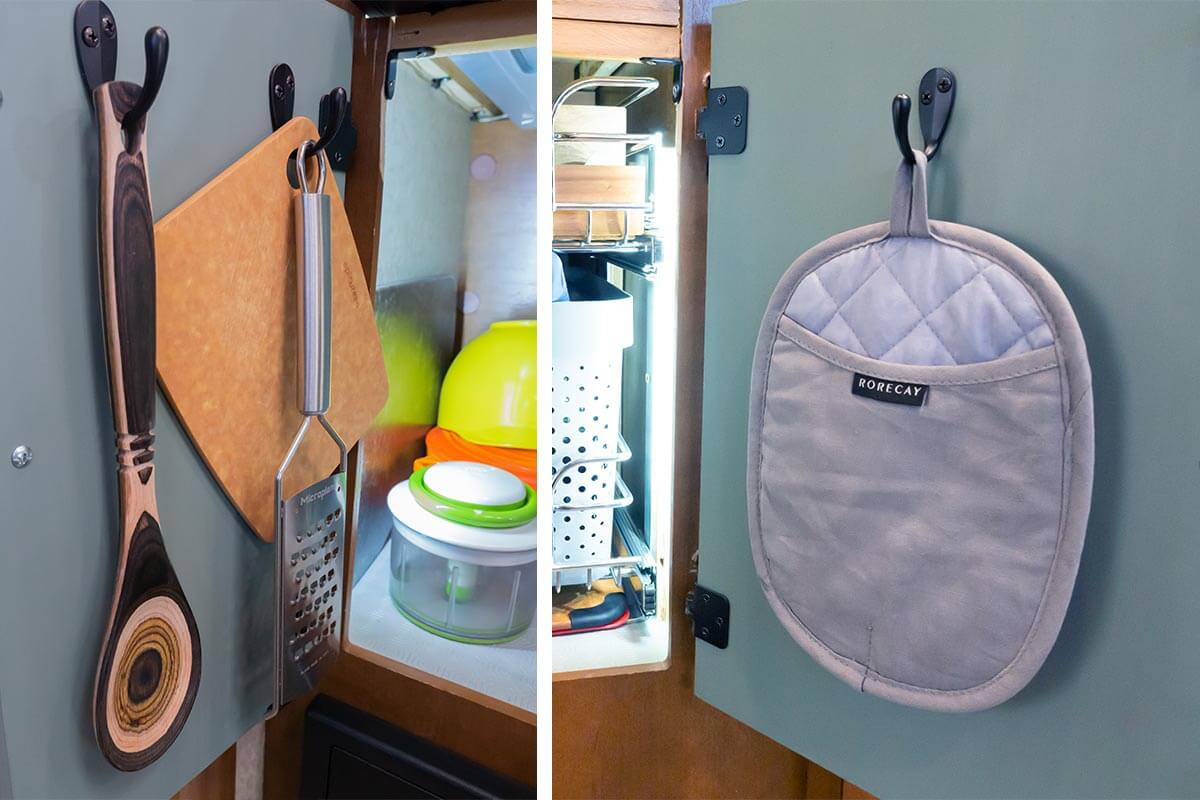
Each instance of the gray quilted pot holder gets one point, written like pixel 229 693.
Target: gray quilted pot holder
pixel 920 457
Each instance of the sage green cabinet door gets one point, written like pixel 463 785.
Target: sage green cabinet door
pixel 58 515
pixel 1076 135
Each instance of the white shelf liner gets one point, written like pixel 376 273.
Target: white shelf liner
pixel 631 645
pixel 506 672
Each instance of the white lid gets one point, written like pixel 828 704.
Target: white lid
pixel 408 513
pixel 476 484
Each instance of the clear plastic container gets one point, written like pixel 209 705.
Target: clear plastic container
pixel 473 580
pixel 467 595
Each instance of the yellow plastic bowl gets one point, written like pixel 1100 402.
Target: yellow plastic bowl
pixel 489 395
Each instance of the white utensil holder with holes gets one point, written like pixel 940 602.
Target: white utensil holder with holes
pixel 590 334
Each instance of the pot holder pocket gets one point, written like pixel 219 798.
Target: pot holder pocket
pixel 920 458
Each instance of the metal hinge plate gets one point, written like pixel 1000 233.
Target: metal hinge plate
pixel 709 611
pixel 723 122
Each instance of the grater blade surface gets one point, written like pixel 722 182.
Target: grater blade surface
pixel 311 553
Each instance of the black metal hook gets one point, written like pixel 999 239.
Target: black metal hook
pixel 337 138
pixel 96 47
pixel 333 114
pixel 282 100
pixel 901 106
pixel 157 48
pixel 937 91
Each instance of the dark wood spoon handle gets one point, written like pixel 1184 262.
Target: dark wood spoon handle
pixel 149 669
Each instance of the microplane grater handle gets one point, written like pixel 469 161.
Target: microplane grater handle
pixel 313 290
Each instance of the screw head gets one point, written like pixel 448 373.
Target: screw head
pixel 108 25
pixel 290 80
pixel 720 142
pixel 722 99
pixel 21 457
pixel 926 98
pixel 737 120
pixel 944 85
pixel 89 36
pixel 278 89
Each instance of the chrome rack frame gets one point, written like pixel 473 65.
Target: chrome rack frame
pixel 636 253
pixel 639 562
pixel 642 245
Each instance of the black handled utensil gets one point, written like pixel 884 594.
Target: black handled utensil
pixel 149 667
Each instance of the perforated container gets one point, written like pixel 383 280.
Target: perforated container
pixel 590 333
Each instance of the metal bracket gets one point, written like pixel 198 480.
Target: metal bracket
pixel 95 44
pixel 709 611
pixel 676 73
pixel 722 123
pixel 396 56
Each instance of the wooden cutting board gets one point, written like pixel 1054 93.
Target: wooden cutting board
pixel 227 329
pixel 589 183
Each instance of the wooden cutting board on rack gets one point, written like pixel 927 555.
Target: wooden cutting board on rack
pixel 227 328
pixel 589 183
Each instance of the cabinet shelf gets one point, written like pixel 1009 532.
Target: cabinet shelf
pixel 496 675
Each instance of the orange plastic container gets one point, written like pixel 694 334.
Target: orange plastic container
pixel 445 445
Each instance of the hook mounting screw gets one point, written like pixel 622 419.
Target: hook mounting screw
pixel 89 36
pixel 21 457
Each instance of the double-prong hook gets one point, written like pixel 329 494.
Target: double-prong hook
pixel 936 94
pixel 96 48
pixel 282 100
pixel 333 113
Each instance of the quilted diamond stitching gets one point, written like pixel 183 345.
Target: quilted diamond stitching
pixel 1024 335
pixel 856 343
pixel 821 285
pixel 925 318
pixel 1009 311
pixel 846 326
pixel 947 358
pixel 866 279
pixel 882 291
pixel 909 297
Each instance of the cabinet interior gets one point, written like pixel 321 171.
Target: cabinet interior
pixel 456 253
pixel 615 220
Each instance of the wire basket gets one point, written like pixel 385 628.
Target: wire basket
pixel 590 333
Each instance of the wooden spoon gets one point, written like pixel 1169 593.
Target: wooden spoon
pixel 149 667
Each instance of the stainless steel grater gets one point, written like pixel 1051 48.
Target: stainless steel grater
pixel 311 524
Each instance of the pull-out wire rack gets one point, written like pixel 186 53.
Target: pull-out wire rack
pixel 639 251
pixel 632 564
